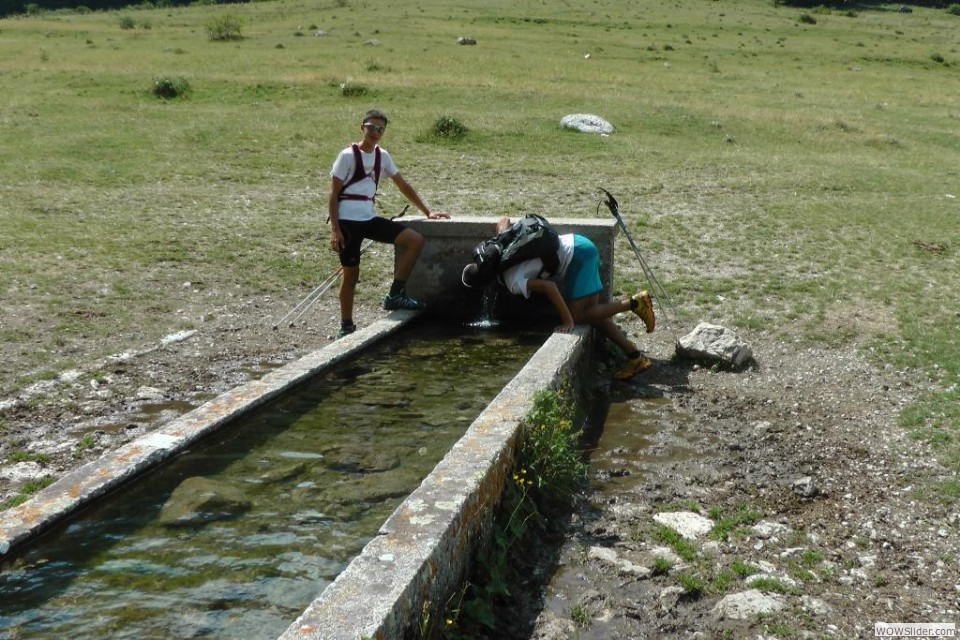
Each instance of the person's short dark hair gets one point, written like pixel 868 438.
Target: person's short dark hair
pixel 375 114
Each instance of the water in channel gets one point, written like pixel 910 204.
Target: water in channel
pixel 322 468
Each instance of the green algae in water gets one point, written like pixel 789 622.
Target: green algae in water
pixel 322 467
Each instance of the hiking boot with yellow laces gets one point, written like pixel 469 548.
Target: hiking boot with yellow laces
pixel 632 367
pixel 644 310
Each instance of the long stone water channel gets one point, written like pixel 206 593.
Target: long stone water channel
pixel 307 480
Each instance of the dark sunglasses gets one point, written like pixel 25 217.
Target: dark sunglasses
pixel 379 128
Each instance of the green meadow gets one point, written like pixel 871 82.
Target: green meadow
pixel 792 172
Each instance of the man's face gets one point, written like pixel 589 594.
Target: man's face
pixel 373 129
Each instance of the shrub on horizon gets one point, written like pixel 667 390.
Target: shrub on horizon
pixel 224 28
pixel 448 128
pixel 353 90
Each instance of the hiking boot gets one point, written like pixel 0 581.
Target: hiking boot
pixel 402 301
pixel 644 310
pixel 632 367
pixel 346 330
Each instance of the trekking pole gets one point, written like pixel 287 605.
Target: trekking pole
pixel 314 295
pixel 661 294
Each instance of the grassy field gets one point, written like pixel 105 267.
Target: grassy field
pixel 788 172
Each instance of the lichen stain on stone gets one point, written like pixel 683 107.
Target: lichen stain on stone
pixel 130 453
pixel 31 514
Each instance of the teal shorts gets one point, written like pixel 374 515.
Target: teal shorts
pixel 583 274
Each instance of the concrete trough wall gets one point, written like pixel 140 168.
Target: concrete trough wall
pixel 449 247
pixel 422 553
pixel 95 479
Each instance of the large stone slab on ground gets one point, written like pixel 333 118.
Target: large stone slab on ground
pixel 200 500
pixel 586 122
pixel 747 605
pixel 688 524
pixel 715 342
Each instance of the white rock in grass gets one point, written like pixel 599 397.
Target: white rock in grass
pixel 586 123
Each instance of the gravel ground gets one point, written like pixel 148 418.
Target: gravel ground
pixel 799 456
pixel 800 451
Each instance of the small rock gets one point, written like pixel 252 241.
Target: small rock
pixel 747 605
pixel 805 487
pixel 816 606
pixel 179 336
pixel 149 393
pixel 200 500
pixel 667 554
pixel 688 524
pixel 466 41
pixel 22 472
pixel 765 529
pixel 70 376
pixel 603 554
pixel 609 556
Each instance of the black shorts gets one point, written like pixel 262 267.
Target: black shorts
pixel 377 229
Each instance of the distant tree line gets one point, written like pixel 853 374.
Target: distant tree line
pixel 853 5
pixel 11 7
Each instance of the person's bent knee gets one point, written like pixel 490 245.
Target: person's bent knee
pixel 409 239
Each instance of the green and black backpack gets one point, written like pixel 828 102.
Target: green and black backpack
pixel 530 237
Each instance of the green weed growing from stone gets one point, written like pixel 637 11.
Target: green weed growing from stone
pixel 743 569
pixel 680 545
pixel 29 456
pixel 580 615
pixel 691 584
pixel 729 524
pixel 26 491
pixel 550 446
pixel 770 585
pixel 548 470
pixel 661 566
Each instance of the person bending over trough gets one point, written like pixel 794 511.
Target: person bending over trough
pixel 574 291
pixel 353 191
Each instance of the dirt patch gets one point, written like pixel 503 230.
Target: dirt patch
pixel 816 500
pixel 800 453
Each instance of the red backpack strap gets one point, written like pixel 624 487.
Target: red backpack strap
pixel 376 165
pixel 358 174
